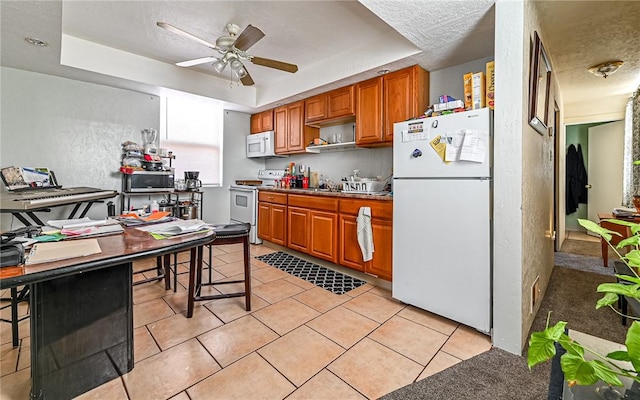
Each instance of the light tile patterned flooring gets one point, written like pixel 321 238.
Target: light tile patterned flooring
pixel 299 342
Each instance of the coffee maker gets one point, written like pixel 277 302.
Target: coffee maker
pixel 191 180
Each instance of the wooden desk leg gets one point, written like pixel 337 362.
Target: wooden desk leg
pixel 605 251
pixel 192 282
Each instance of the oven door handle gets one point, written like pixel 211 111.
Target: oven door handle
pixel 237 189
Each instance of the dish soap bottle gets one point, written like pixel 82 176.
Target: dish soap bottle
pixel 155 207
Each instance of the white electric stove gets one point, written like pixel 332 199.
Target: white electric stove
pixel 244 199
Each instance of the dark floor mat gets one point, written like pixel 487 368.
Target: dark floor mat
pixel 326 278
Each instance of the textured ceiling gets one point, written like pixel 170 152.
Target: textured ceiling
pixel 333 42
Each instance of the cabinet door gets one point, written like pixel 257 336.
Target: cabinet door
pixel 324 235
pixel 279 224
pixel 255 123
pixel 399 100
pixel 369 111
pixel 264 220
pixel 281 128
pixel 315 108
pixel 380 265
pixel 349 254
pixel 266 120
pixel 295 115
pixel 298 232
pixel 340 102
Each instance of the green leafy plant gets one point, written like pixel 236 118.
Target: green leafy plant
pixel 577 370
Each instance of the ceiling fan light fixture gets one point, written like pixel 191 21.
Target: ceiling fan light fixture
pixel 236 64
pixel 606 68
pixel 240 73
pixel 219 66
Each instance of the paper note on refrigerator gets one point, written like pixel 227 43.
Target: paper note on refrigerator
pixel 474 146
pixel 454 143
pixel 439 147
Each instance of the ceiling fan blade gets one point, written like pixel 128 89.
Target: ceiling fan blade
pixel 249 36
pixel 197 61
pixel 247 80
pixel 182 33
pixel 266 62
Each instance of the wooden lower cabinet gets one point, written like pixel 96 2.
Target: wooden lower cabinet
pixel 382 232
pixel 313 226
pixel 272 217
pixel 327 228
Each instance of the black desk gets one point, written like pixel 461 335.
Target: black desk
pixel 82 311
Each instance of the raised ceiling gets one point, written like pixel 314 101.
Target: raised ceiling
pixel 332 42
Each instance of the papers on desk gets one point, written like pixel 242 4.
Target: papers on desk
pixel 174 228
pixel 133 219
pixel 55 251
pixel 74 228
pixel 624 212
pixel 76 223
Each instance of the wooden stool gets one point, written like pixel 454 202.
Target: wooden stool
pixel 225 234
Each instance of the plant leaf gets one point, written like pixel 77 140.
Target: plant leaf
pixel 542 344
pixel 577 369
pixel 619 288
pixel 607 300
pixel 633 344
pixel 596 228
pixel 619 355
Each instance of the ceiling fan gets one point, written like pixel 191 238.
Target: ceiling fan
pixel 233 51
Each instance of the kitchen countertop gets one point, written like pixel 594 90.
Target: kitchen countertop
pixel 327 193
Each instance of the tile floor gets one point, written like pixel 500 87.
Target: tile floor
pixel 299 342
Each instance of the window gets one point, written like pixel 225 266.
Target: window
pixel 193 133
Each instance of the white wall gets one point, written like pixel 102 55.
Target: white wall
pixel 450 80
pixel 72 127
pixel 235 166
pixel 507 204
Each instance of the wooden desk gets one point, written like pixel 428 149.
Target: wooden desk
pixel 621 229
pixel 82 311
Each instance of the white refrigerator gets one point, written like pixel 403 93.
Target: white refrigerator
pixel 442 214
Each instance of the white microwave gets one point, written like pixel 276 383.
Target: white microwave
pixel 261 145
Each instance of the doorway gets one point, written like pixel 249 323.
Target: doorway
pixel 601 151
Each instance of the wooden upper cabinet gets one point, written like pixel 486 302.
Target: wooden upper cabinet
pixel 262 122
pixel 341 102
pixel 296 127
pixel 331 108
pixel 315 108
pixel 292 135
pixel 369 114
pixel 281 129
pixel 383 101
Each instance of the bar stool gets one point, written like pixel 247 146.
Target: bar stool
pixel 17 297
pixel 162 269
pixel 225 234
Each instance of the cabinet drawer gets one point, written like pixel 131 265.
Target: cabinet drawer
pixel 379 208
pixel 272 197
pixel 314 202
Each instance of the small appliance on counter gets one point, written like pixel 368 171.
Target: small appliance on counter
pixel 149 137
pixel 191 180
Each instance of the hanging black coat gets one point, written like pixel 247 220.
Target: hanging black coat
pixel 583 180
pixel 572 192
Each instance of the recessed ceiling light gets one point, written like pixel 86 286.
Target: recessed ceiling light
pixel 606 68
pixel 36 42
pixel 383 71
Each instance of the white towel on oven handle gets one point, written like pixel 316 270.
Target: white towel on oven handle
pixel 365 234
